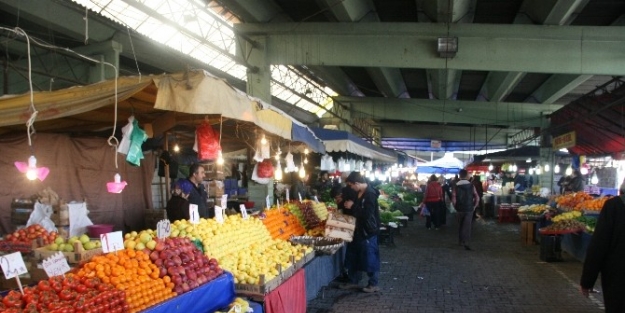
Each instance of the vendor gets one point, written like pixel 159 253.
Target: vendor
pixel 520 182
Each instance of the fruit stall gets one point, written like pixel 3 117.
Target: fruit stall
pixel 198 265
pixel 569 225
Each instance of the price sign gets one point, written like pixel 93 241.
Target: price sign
pixel 194 215
pixel 278 203
pixel 243 211
pixel 224 201
pixel 268 202
pixel 112 242
pixel 316 200
pixel 163 229
pixel 56 265
pixel 219 215
pixel 287 196
pixel 13 265
pixel 300 196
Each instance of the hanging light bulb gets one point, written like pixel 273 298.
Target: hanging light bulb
pixel 547 168
pixel 538 170
pixel 569 171
pixel 594 180
pixel 176 148
pixel 263 140
pixel 220 158
pixel 556 169
pixel 278 155
pixel 584 169
pixel 31 170
pixel 490 167
pixel 302 172
pixel 305 150
pixel 117 185
pixel 531 171
pixel 277 175
pixel 513 167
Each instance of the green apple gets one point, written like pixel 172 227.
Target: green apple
pixel 68 248
pixel 151 244
pixel 98 244
pixel 90 245
pixel 140 246
pixel 145 237
pixel 84 238
pixel 72 240
pixel 53 247
pixel 59 240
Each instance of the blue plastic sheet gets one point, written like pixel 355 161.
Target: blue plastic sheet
pixel 204 299
pixel 321 271
pixel 576 244
pixel 305 135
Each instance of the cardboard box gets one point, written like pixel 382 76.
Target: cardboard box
pixel 216 188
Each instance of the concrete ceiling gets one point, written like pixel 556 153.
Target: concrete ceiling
pixel 517 61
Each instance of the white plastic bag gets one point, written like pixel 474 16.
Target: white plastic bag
pixel 41 215
pixel 78 218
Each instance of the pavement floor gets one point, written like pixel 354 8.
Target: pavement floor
pixel 427 271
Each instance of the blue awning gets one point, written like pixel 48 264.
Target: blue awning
pixel 305 135
pixel 342 141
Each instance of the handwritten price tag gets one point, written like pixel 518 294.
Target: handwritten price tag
pixel 56 265
pixel 287 195
pixel 194 215
pixel 163 229
pixel 224 201
pixel 243 211
pixel 13 265
pixel 219 215
pixel 112 242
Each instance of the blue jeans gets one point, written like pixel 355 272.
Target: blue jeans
pixel 363 255
pixel 373 278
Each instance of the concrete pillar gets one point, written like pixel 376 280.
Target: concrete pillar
pixel 259 74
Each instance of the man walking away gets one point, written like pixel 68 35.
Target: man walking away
pixel 465 200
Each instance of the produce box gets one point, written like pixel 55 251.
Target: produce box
pixel 304 260
pixel 10 246
pixel 78 255
pixel 341 221
pixel 528 229
pixel 339 233
pixel 258 290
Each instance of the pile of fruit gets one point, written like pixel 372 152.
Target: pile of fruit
pixel 69 294
pixel 133 273
pixel 61 244
pixel 566 216
pixel 282 224
pixel 564 225
pixel 238 305
pixel 244 247
pixel 310 214
pixel 22 239
pixel 570 201
pixel 592 205
pixel 589 222
pixel 534 209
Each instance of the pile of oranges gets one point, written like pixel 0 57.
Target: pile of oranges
pixel 134 273
pixel 592 205
pixel 570 201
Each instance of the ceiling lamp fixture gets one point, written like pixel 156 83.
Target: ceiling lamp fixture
pixel 594 180
pixel 547 168
pixel 569 171
pixel 302 172
pixel 538 170
pixel 447 47
pixel 490 167
pixel 531 170
pixel 30 168
pixel 556 169
pixel 513 167
pixel 262 140
pixel 220 158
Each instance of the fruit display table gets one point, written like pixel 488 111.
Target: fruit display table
pixel 206 298
pixel 289 297
pixel 576 244
pixel 322 270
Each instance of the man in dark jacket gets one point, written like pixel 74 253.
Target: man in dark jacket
pixel 465 200
pixel 606 254
pixel 198 195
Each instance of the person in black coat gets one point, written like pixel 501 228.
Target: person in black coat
pixel 606 255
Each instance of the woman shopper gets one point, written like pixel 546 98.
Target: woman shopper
pixel 433 200
pixel 363 253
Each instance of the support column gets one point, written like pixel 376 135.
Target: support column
pixel 546 177
pixel 259 72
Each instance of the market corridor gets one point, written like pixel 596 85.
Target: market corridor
pixel 427 271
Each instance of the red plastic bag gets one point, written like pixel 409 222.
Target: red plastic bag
pixel 265 169
pixel 207 142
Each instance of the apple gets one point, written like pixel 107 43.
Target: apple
pixel 84 238
pixel 151 244
pixel 59 240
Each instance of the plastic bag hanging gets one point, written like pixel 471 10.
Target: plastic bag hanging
pixel 290 164
pixel 124 145
pixel 265 169
pixel 258 154
pixel 207 142
pixel 263 181
pixel 138 136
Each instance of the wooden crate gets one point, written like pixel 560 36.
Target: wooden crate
pixel 304 260
pixel 258 290
pixel 78 255
pixel 528 229
pixel 339 233
pixel 339 220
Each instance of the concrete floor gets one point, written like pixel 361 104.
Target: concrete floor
pixel 427 271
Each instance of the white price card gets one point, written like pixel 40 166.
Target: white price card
pixel 112 242
pixel 287 195
pixel 56 265
pixel 219 215
pixel 13 265
pixel 278 203
pixel 300 196
pixel 268 202
pixel 194 215
pixel 316 199
pixel 243 211
pixel 163 229
pixel 224 201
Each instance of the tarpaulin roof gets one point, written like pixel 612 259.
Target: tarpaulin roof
pixel 341 141
pixel 598 121
pixel 446 164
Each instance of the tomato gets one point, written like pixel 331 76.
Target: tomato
pixel 13 299
pixel 66 295
pixel 44 285
pixel 80 288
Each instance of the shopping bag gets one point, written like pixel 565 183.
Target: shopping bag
pixel 450 207
pixel 424 210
